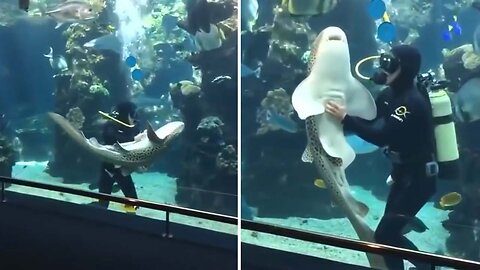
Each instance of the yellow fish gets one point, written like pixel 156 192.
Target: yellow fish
pixel 450 199
pixel 319 183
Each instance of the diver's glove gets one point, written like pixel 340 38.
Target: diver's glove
pixel 390 180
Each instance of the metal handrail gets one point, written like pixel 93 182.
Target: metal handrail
pixel 319 238
pixel 134 202
pixel 337 241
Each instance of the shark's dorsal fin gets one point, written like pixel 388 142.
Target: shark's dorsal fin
pixel 152 136
pixel 117 146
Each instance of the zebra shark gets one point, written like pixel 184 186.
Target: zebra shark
pixel 128 156
pixel 330 78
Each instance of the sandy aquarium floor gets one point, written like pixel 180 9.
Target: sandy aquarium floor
pixel 432 240
pixel 156 187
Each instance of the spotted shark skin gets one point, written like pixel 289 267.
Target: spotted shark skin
pixel 329 78
pixel 128 156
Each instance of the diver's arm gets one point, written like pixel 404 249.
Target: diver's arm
pixel 111 135
pixel 381 131
pixel 380 104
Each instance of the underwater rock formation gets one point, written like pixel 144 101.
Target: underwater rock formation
pixel 460 65
pixel 8 157
pixel 209 111
pixel 85 91
pixel 208 180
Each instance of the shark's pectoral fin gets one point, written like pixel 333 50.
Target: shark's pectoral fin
pixel 358 207
pixel 118 147
pixel 94 142
pixel 359 101
pixel 307 100
pixel 307 155
pixel 330 133
pixel 152 136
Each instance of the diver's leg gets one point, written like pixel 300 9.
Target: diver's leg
pixel 105 185
pixel 386 232
pixel 407 197
pixel 127 186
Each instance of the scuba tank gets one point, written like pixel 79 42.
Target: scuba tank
pixel 447 154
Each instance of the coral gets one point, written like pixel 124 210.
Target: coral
pixel 75 117
pixel 210 130
pixel 8 156
pixel 186 88
pixel 459 65
pixel 227 159
pixel 276 101
pixel 98 89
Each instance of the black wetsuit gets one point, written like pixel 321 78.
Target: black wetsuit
pixel 112 133
pixel 404 124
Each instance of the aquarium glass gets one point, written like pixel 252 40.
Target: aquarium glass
pixel 70 72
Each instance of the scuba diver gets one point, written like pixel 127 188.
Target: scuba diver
pixel 120 130
pixel 405 127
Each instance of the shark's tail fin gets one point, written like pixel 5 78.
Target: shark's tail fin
pixel 71 131
pixel 365 233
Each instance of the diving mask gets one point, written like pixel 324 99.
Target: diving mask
pixel 388 65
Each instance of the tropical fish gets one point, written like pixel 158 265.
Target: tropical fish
pixel 202 26
pixel 466 101
pixel 210 39
pixel 128 156
pixel 359 145
pixel 453 28
pixel 308 8
pixel 280 121
pixel 329 78
pixel 109 42
pixel 72 11
pixel 450 200
pixel 58 63
pixel 320 183
pixel 246 71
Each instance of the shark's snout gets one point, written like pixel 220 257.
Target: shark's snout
pixel 179 126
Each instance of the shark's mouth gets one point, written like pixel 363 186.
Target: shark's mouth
pixel 335 37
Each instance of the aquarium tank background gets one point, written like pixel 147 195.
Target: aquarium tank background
pixel 279 188
pixel 79 59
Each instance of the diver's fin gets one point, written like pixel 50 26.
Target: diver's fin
pixel 118 147
pixel 359 101
pixel 152 136
pixel 414 224
pixel 307 155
